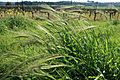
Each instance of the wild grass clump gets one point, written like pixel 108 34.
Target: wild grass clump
pixel 16 23
pixel 58 50
pixel 115 22
pixel 91 54
pixel 88 54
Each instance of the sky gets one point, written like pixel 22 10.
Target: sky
pixel 62 0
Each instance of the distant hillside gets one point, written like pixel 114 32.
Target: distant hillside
pixel 117 4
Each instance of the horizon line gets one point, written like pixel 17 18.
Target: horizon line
pixel 62 1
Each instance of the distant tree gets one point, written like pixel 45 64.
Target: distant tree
pixel 8 4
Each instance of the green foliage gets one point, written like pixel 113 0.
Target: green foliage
pixel 91 53
pixel 58 50
pixel 115 22
pixel 16 23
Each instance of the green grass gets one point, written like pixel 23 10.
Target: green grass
pixel 59 50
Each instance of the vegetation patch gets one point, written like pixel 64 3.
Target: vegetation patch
pixel 59 45
pixel 16 23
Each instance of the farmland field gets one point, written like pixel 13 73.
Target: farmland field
pixel 59 44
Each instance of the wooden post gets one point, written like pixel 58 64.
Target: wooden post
pixel 32 14
pixel 48 15
pixel 95 15
pixel 110 15
pixel 90 13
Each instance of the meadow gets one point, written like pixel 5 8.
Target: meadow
pixel 58 45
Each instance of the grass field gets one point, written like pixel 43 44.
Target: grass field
pixel 58 48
